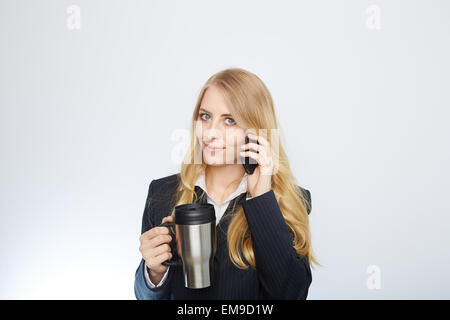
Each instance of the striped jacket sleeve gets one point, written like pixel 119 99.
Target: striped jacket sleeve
pixel 282 274
pixel 142 290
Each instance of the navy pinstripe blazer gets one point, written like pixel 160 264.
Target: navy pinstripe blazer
pixel 280 273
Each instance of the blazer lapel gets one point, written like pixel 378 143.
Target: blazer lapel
pixel 201 195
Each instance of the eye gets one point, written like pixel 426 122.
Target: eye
pixel 232 123
pixel 203 114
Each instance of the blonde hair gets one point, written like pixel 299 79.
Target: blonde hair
pixel 251 105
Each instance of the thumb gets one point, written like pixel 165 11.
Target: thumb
pixel 168 219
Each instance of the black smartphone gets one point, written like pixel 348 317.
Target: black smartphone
pixel 249 164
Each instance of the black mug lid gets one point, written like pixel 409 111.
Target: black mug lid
pixel 194 213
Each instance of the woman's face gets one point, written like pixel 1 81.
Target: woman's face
pixel 216 130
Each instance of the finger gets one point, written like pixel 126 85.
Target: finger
pixel 253 146
pixel 262 141
pixel 159 249
pixel 163 257
pixel 252 155
pixel 158 240
pixel 154 264
pixel 262 150
pixel 158 267
pixel 168 219
pixel 154 243
pixel 154 232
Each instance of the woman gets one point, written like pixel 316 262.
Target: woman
pixel 263 239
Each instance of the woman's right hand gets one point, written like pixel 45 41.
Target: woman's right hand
pixel 155 249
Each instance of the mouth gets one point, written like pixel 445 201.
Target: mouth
pixel 213 148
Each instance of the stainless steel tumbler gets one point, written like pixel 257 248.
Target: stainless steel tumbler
pixel 195 240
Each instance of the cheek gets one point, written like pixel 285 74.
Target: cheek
pixel 235 138
pixel 199 132
pixel 238 143
pixel 234 143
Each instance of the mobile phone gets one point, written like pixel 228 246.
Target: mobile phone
pixel 249 164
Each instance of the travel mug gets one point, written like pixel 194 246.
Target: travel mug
pixel 193 243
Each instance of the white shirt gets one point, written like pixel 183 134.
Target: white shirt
pixel 219 209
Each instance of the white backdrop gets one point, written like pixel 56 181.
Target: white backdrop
pixel 92 92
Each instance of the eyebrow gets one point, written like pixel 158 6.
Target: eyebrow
pixel 223 115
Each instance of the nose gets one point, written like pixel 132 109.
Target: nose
pixel 212 131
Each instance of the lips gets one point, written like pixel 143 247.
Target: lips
pixel 213 148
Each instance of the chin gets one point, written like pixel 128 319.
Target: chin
pixel 211 161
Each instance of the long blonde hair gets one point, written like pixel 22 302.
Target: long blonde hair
pixel 252 106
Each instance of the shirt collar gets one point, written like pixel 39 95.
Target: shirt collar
pixel 201 182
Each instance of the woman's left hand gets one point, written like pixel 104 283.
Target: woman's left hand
pixel 261 180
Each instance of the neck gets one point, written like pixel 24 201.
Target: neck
pixel 221 178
